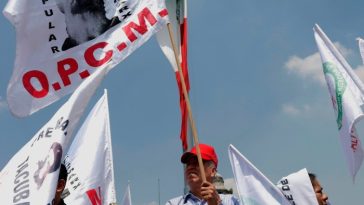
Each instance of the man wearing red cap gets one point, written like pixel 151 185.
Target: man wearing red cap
pixel 201 193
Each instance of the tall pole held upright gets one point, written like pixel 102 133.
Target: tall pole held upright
pixel 185 94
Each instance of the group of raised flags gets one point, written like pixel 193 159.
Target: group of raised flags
pixel 62 48
pixel 256 189
pixel 31 176
pixel 347 95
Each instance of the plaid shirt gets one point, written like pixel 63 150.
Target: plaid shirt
pixel 190 199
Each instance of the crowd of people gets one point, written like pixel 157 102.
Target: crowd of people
pixel 204 192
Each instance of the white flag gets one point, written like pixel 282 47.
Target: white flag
pixel 345 90
pixel 297 188
pixel 361 48
pixel 62 42
pixel 89 161
pixel 253 187
pixel 127 197
pixel 178 23
pixel 31 176
pixel 176 10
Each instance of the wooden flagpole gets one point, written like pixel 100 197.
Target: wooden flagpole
pixel 185 94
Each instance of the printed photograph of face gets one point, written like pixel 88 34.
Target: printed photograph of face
pixel 49 164
pixel 87 19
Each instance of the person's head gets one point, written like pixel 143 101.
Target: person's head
pixel 62 179
pixel 322 198
pixel 192 171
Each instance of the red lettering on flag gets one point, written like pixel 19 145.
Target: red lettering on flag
pixel 65 73
pixel 42 79
pixel 142 27
pixel 95 198
pixel 354 143
pixel 163 13
pixel 90 57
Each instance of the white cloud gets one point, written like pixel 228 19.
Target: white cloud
pixel 311 66
pixel 3 104
pixel 290 109
pixel 306 67
pixel 293 110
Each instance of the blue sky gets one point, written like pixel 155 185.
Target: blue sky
pixel 256 82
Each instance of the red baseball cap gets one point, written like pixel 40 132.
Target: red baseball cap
pixel 207 153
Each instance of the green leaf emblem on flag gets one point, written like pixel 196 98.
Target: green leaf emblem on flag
pixel 340 87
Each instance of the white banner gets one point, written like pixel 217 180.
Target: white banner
pixel 89 161
pixel 62 42
pixel 345 90
pixel 175 14
pixel 297 188
pixel 253 187
pixel 31 176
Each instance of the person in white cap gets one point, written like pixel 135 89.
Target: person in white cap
pixel 322 198
pixel 201 193
pixel 302 188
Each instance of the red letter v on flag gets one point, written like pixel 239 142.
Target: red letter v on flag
pixel 94 197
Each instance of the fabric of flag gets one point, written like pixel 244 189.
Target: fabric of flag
pixel 361 48
pixel 253 187
pixel 89 161
pixel 178 20
pixel 127 197
pixel 297 188
pixel 31 176
pixel 346 92
pixel 62 42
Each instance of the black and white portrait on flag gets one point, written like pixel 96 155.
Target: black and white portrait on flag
pixel 87 19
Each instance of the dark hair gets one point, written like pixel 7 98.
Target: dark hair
pixel 312 177
pixel 63 173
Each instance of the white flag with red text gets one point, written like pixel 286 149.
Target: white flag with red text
pixel 346 92
pixel 89 161
pixel 62 42
pixel 31 176
pixel 178 22
pixel 253 187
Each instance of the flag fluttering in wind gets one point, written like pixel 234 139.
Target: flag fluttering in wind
pixel 178 20
pixel 62 42
pixel 297 188
pixel 361 48
pixel 31 176
pixel 127 197
pixel 253 187
pixel 346 92
pixel 89 161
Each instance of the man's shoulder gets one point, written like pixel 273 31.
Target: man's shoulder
pixel 176 200
pixel 228 199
